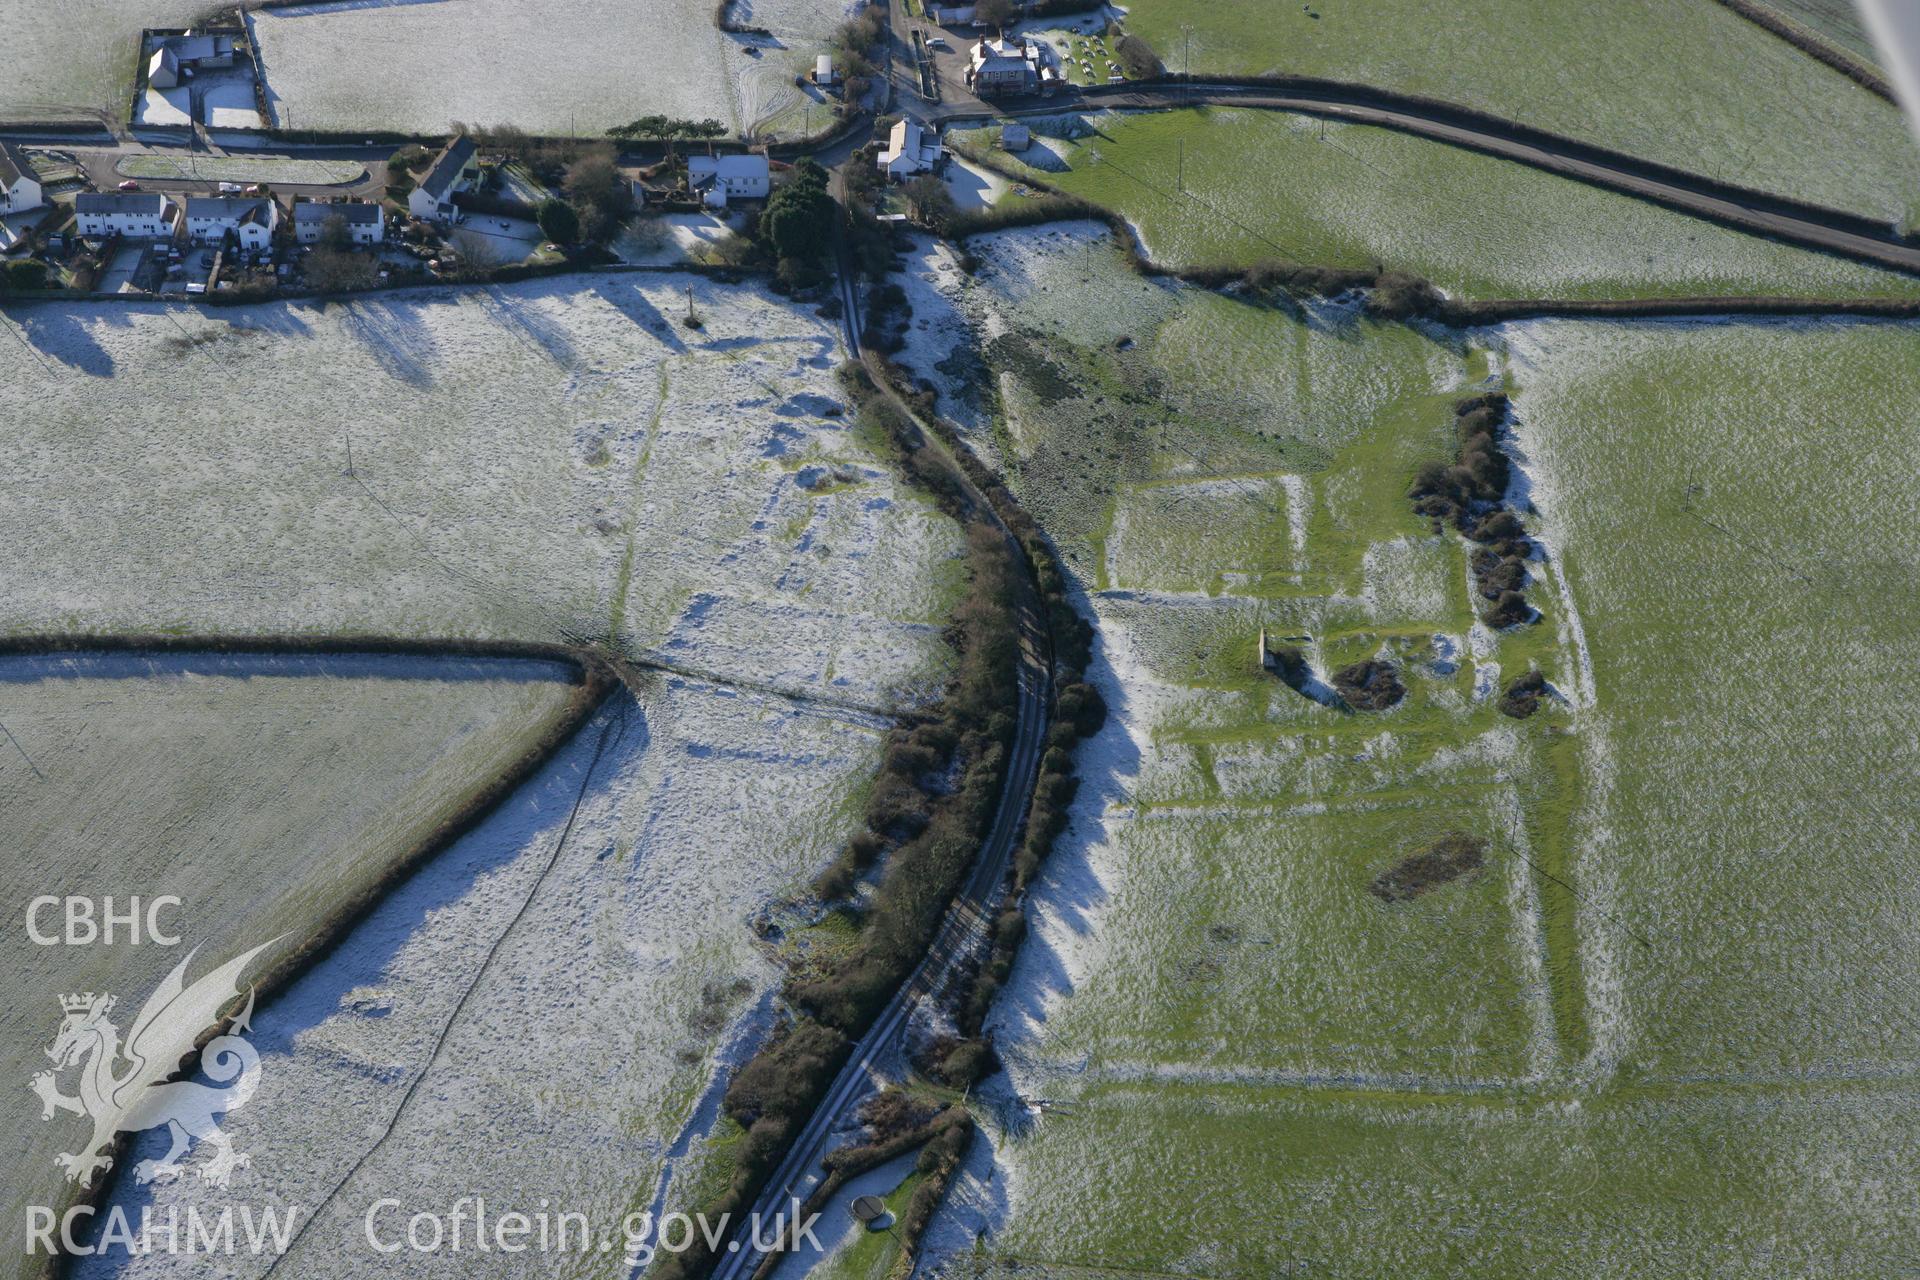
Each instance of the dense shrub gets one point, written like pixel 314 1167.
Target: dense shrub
pixel 786 1077
pixel 22 274
pixel 1522 697
pixel 1137 58
pixel 559 221
pixel 798 221
pixel 938 1160
pixel 1371 685
pixel 1468 493
pixel 1510 610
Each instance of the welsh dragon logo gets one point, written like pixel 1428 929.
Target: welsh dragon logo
pixel 123 1087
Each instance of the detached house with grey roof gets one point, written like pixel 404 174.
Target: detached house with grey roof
pixel 454 170
pixel 249 219
pixel 19 188
pixel 361 221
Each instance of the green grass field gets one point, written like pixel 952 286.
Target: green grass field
pixel 1214 186
pixel 1662 1029
pixel 1738 536
pixel 1687 82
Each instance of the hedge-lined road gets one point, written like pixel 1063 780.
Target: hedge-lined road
pixel 1810 225
pixel 966 924
pixel 801 1172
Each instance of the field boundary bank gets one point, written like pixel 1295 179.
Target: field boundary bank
pixel 1499 310
pixel 1815 46
pixel 597 681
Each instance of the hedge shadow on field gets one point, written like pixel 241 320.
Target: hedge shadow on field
pixel 528 325
pixel 95 664
pixel 397 336
pixel 65 334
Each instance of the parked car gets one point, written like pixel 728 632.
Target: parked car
pixel 129 185
pixel 230 188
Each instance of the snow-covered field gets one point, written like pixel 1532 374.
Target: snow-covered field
pixel 264 792
pixel 576 66
pixel 534 1017
pixel 75 60
pixel 553 460
pixel 166 107
pixel 231 105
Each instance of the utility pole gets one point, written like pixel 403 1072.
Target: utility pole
pixel 1180 168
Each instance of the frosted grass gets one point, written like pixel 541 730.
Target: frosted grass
pixel 579 66
pixel 1737 537
pixel 266 800
pixel 590 1029
pixel 552 461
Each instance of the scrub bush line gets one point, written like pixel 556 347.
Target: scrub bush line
pixel 940 779
pixel 939 785
pixel 1471 494
pixel 1390 295
pixel 843 1164
pixel 1077 712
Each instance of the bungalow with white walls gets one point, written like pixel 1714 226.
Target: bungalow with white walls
pixel 177 58
pixel 454 170
pixel 911 149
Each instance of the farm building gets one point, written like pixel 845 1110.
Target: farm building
pixel 176 58
pixel 718 179
pixel 19 189
pixel 250 220
pixel 141 215
pixel 823 70
pixel 362 221
pixel 454 170
pixel 1016 137
pixel 910 150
